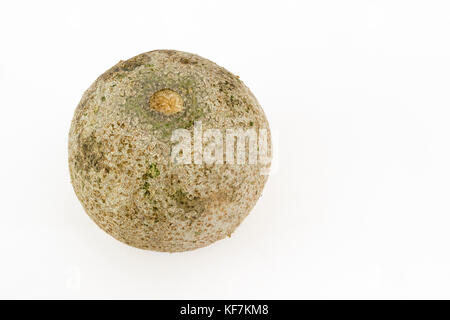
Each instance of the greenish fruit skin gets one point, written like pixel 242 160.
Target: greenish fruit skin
pixel 119 153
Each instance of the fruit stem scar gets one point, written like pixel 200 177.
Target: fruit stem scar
pixel 166 101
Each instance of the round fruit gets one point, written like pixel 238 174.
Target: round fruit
pixel 123 166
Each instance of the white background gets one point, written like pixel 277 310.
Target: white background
pixel 357 93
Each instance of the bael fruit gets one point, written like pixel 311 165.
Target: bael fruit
pixel 121 151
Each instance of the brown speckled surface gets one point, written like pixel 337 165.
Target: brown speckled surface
pixel 119 153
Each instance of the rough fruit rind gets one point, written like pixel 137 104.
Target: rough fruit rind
pixel 119 153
